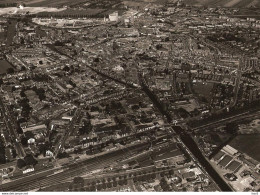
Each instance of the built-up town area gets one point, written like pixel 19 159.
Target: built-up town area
pixel 129 96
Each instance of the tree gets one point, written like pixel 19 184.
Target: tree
pixel 2 158
pixel 62 155
pixel 115 46
pixel 41 93
pixel 19 129
pixel 171 172
pixel 13 88
pixel 66 68
pixel 167 39
pixel 115 184
pixel 43 148
pixel 162 174
pixel 153 176
pixel 30 160
pixel 90 147
pixel 70 187
pixel 2 151
pixel 21 120
pixel 23 68
pixel 109 185
pixel 29 135
pixel 22 94
pixel 24 141
pixel 104 186
pixel 96 60
pixel 14 153
pixel 92 188
pixel 159 46
pixel 99 187
pixel 20 163
pixel 231 128
pixel 58 43
pixel 10 70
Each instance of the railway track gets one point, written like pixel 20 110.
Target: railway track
pixel 69 172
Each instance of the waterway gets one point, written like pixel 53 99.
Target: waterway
pixel 189 143
pixel 8 38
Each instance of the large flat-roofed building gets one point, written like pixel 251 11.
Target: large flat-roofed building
pixel 225 161
pixel 35 128
pixel 113 17
pixel 218 156
pixel 234 166
pixel 230 150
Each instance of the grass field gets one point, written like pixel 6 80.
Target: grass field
pixel 248 144
pixel 4 65
pixel 203 90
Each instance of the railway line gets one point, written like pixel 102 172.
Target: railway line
pixel 42 180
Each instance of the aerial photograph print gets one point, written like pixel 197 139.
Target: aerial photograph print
pixel 129 96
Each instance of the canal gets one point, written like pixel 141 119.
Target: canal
pixel 188 141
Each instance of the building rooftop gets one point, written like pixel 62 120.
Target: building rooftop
pixel 226 160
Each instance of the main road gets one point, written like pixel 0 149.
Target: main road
pixel 67 132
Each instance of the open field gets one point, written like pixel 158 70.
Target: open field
pixel 4 65
pixel 248 144
pixel 32 10
pixel 224 3
pixel 79 12
pixel 203 89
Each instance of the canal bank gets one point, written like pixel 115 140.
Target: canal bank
pixel 188 141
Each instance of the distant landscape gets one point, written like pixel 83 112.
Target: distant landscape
pixel 209 3
pixel 224 3
pixel 45 3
